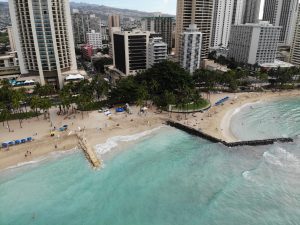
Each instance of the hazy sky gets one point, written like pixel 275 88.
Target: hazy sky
pixel 165 6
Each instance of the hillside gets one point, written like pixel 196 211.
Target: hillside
pixel 100 10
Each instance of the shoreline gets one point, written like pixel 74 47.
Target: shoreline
pixel 96 127
pixel 99 130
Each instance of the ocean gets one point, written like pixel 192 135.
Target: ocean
pixel 168 177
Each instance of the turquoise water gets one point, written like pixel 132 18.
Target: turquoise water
pixel 168 177
pixel 274 119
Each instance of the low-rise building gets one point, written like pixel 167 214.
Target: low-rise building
pixel 87 51
pixel 213 66
pixel 157 51
pixel 94 39
pixel 9 65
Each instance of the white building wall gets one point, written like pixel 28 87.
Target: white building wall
pixel 239 13
pixel 190 52
pixel 222 22
pixel 94 39
pixel 49 46
pixel 157 51
pixel 254 43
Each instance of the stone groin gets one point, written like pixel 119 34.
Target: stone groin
pixel 208 137
pixel 88 151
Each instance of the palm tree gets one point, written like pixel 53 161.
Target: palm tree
pixel 45 105
pixel 4 114
pixel 35 104
pixel 18 96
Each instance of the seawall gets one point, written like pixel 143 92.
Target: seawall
pixel 208 137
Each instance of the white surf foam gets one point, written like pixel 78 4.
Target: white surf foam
pixel 113 141
pixel 52 155
pixel 247 175
pixel 280 156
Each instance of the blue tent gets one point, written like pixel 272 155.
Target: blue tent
pixel 4 144
pixel 17 142
pixel 23 140
pixel 11 143
pixel 120 110
pixel 29 139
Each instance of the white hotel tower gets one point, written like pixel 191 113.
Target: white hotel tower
pixel 44 38
pixel 191 47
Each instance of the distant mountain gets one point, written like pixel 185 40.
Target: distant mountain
pixel 103 11
pixel 99 10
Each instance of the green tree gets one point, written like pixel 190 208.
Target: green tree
pixel 35 104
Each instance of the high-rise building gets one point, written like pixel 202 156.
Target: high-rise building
pixel 237 12
pixel 246 11
pixel 190 51
pixel 254 43
pixel 104 32
pixel 82 24
pixel 223 10
pixel 162 26
pixel 44 38
pixel 295 49
pixel 199 12
pixel 251 10
pixel 157 51
pixel 94 39
pixel 12 42
pixel 130 51
pixel 113 21
pixel 111 45
pixel 282 13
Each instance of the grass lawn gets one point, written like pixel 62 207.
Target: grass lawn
pixel 202 104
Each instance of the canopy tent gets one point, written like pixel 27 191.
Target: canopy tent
pixel 74 77
pixel 29 82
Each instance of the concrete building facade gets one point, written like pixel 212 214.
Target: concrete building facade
pixel 254 43
pixel 130 51
pixel 282 13
pixel 44 38
pixel 113 21
pixel 199 12
pixel 162 26
pixel 222 19
pixel 94 39
pixel 190 51
pixel 12 42
pixel 9 65
pixel 84 23
pixel 251 10
pixel 295 48
pixel 157 51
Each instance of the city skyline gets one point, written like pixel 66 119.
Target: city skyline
pixel 164 6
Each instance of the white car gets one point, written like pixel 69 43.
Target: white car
pixel 107 112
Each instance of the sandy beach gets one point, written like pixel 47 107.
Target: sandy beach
pixel 98 128
pixel 216 121
pixel 95 126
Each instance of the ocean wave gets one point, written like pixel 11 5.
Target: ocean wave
pixel 237 110
pixel 52 155
pixel 280 156
pixel 247 175
pixel 113 141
